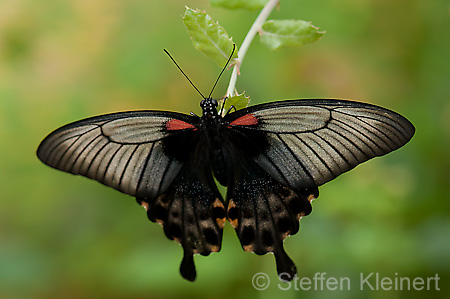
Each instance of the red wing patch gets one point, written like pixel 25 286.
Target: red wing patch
pixel 176 125
pixel 246 120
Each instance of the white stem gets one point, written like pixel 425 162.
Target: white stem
pixel 262 17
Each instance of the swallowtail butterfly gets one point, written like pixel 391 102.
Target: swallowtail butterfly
pixel 271 157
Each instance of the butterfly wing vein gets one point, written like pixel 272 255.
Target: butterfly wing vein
pixel 123 151
pixel 313 141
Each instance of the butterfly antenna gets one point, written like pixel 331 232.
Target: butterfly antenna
pixel 170 56
pixel 226 64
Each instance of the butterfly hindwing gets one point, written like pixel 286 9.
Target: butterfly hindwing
pixel 192 213
pixel 262 210
pixel 263 213
pixel 192 210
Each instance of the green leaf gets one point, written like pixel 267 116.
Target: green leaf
pixel 238 102
pixel 287 33
pixel 235 4
pixel 208 36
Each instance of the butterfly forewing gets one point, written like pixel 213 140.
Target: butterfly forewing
pixel 122 150
pixel 313 141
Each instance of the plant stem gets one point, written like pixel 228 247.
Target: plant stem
pixel 263 15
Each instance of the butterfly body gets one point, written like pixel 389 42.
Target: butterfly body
pixel 271 157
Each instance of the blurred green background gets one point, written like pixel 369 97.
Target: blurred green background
pixel 63 236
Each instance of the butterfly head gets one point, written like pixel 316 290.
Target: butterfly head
pixel 209 107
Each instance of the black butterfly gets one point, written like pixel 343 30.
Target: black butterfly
pixel 271 157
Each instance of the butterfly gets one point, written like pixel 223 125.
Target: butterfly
pixel 271 157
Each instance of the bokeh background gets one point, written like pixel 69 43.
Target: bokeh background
pixel 63 236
